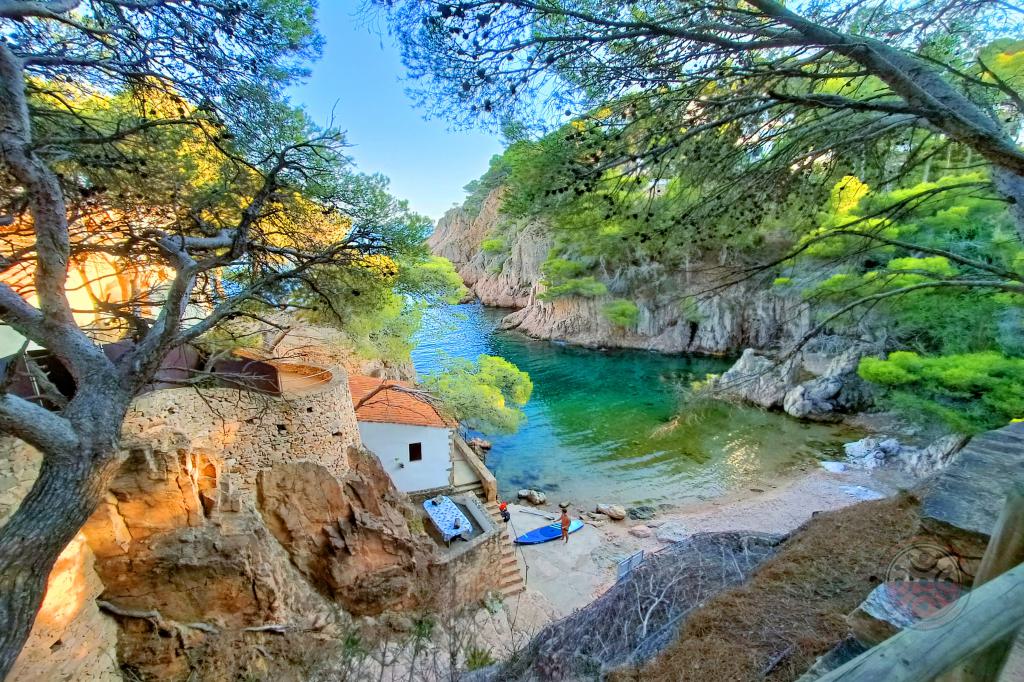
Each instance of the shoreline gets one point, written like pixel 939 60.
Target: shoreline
pixel 569 576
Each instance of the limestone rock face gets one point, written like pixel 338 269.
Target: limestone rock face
pixel 507 281
pixel 172 537
pixel 758 379
pixel 813 386
pixel 349 538
pixel 744 315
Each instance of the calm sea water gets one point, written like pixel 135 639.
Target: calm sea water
pixel 614 425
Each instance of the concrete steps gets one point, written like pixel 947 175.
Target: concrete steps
pixel 510 580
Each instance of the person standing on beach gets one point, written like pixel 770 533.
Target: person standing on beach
pixel 565 524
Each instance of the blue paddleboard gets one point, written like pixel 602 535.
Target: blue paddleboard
pixel 546 533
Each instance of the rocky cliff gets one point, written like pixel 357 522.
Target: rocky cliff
pixel 240 531
pixel 746 315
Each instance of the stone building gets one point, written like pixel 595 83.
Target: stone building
pixel 239 520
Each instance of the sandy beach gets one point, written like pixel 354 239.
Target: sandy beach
pixel 569 576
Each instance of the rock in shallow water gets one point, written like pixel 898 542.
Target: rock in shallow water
pixel 872 453
pixel 862 493
pixel 532 496
pixel 641 531
pixel 641 513
pixel 612 511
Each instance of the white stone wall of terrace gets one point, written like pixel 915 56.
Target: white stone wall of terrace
pixel 252 431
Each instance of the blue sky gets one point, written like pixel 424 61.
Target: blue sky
pixel 359 78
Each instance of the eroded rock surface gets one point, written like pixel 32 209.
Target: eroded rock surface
pixel 808 385
pixel 349 538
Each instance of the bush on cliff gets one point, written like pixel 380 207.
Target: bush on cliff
pixel 621 312
pixel 971 393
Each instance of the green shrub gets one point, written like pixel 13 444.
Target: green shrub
pixel 587 287
pixel 478 657
pixel 492 245
pixel 621 312
pixel 970 392
pixel 559 270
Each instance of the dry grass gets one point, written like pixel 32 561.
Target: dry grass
pixel 775 625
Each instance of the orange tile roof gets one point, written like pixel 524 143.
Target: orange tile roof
pixel 391 406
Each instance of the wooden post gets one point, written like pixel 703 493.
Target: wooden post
pixel 987 614
pixel 1005 550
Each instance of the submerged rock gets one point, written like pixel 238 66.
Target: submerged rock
pixel 641 513
pixel 641 531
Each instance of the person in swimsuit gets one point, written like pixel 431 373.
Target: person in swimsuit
pixel 565 524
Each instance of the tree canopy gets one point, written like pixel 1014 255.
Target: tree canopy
pixel 790 88
pixel 487 395
pixel 156 136
pixel 861 155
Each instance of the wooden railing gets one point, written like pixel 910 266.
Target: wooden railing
pixel 974 644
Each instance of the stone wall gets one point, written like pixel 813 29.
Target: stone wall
pixel 468 571
pixel 251 432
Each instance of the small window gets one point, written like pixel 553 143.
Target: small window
pixel 415 452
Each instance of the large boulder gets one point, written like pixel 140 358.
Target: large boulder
pixel 614 512
pixel 532 496
pixel 758 379
pixel 818 386
pixel 350 538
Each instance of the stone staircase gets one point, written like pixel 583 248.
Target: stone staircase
pixel 511 580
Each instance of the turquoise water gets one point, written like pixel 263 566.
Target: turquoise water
pixel 614 425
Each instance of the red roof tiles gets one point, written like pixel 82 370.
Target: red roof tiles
pixel 392 406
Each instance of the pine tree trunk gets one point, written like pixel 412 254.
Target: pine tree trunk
pixel 67 491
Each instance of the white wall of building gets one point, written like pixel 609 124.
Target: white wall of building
pixel 390 442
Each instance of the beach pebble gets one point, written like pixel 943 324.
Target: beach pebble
pixel 641 513
pixel 641 531
pixel 612 511
pixel 833 467
pixel 672 531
